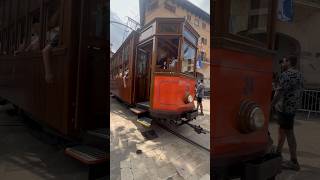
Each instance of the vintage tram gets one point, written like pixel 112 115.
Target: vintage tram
pixel 67 40
pixel 154 70
pixel 241 68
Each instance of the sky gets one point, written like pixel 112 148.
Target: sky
pixel 120 9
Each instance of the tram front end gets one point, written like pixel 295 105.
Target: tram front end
pixel 173 98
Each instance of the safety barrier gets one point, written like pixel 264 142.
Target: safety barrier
pixel 310 102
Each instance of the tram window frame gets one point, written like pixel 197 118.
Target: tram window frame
pixel 162 22
pixel 186 41
pixel 177 66
pixel 222 17
pixel 92 31
pixel 190 36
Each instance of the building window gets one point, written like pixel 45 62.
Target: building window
pixel 249 18
pixel 196 22
pixel 189 17
pixel 204 41
pixel 204 25
pixel 170 7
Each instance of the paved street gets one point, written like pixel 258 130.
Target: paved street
pixel 26 155
pixel 307 134
pixel 166 157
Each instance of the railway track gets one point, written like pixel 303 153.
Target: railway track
pixel 183 137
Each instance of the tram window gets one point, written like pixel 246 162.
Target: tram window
pixel 11 40
pixel 13 9
pixel 125 54
pixel 147 33
pixel 34 41
pixel 53 23
pixel 98 19
pixel 189 36
pixel 34 5
pixel 4 42
pixel 189 53
pixel 22 8
pixel 249 18
pixel 167 58
pixel 1 14
pixel 169 28
pixel 6 11
pixel 1 42
pixel 21 36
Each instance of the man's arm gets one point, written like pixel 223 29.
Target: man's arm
pixel 279 91
pixel 278 94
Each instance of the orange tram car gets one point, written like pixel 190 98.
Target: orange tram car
pixel 72 105
pixel 241 66
pixel 154 70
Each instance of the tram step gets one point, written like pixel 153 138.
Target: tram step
pixel 97 138
pixel 138 111
pixel 94 158
pixel 145 121
pixel 87 154
pixel 144 105
pixel 101 133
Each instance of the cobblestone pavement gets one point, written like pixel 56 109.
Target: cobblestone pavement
pixel 308 139
pixel 24 155
pixel 166 157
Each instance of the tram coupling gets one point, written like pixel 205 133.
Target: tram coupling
pixel 198 129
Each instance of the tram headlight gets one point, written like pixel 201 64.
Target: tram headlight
pixel 188 99
pixel 257 118
pixel 251 117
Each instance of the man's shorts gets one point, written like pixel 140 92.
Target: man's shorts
pixel 285 120
pixel 199 99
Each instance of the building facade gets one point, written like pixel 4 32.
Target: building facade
pixel 197 18
pixel 301 37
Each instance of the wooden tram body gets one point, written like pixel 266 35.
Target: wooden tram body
pixel 241 67
pixel 76 100
pixel 162 91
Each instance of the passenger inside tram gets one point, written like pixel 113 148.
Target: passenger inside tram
pixel 167 54
pixel 125 77
pixel 52 40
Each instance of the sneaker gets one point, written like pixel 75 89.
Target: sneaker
pixel 292 165
pixel 201 114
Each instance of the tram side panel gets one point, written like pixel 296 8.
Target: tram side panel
pixel 238 76
pixel 22 82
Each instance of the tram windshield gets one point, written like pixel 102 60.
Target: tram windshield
pixel 188 61
pixel 168 48
pixel 175 45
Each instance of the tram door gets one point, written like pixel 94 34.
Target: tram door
pixel 91 96
pixel 143 72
